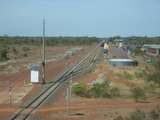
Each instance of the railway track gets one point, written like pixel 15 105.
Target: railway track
pixel 85 64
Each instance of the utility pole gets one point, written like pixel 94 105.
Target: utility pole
pixel 43 51
pixel 67 99
pixel 70 88
pixel 68 94
pixel 10 93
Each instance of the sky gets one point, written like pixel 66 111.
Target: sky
pixel 101 18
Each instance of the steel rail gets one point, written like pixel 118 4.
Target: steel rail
pixel 25 112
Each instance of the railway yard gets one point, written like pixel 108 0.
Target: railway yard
pixel 79 60
pixel 59 101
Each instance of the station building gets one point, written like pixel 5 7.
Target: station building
pixel 152 49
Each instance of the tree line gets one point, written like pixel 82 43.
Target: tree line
pixel 137 40
pixel 50 41
pixel 12 44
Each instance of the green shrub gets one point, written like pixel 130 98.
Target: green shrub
pixel 119 118
pixel 137 52
pixel 138 93
pixel 25 55
pixel 125 75
pixel 26 49
pixel 4 55
pixel 128 76
pixel 155 77
pixel 99 90
pixel 155 114
pixel 138 115
pixel 79 89
pixel 140 74
pixel 141 115
pixel 103 90
pixel 157 66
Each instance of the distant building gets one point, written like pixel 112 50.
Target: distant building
pixel 119 42
pixel 152 49
pixel 106 48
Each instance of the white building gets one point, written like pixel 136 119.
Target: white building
pixel 152 49
pixel 119 42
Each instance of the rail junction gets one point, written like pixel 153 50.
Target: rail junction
pixel 81 67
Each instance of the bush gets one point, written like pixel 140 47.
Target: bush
pixel 155 114
pixel 26 49
pixel 137 52
pixel 157 66
pixel 103 90
pixel 138 93
pixel 4 55
pixel 79 89
pixel 119 118
pixel 15 51
pixel 25 55
pixel 99 90
pixel 141 115
pixel 138 115
pixel 140 74
pixel 155 77
pixel 114 92
pixel 126 75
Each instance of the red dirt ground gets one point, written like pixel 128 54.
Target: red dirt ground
pixel 93 104
pixel 92 107
pixel 55 68
pixel 17 79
